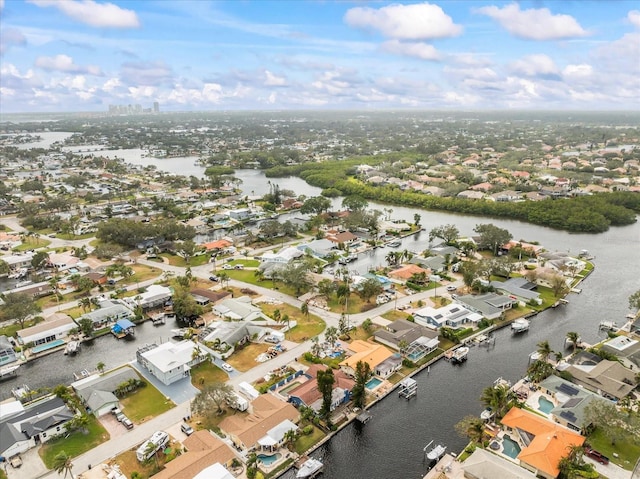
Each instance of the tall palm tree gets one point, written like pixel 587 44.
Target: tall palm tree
pixel 499 398
pixel 62 463
pixel 574 338
pixel 544 350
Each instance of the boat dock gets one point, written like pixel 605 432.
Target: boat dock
pixel 364 417
pixel 408 388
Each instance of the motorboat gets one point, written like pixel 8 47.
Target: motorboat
pixel 72 347
pixel 520 326
pixel 460 354
pixel 394 244
pixel 436 453
pixel 9 371
pixel 180 333
pixel 309 469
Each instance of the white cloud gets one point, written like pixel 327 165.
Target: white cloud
pixel 634 17
pixel 64 63
pixel 421 50
pixel 534 24
pixel 146 73
pixel 272 79
pixel 10 37
pixel 409 22
pixel 485 74
pixel 101 15
pixel 535 65
pixel 577 71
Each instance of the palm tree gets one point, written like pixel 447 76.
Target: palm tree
pixel 100 367
pixel 315 345
pixel 304 309
pixel 62 463
pixel 86 304
pixel 499 398
pixel 574 338
pixel 544 350
pixel 289 438
pixel 331 334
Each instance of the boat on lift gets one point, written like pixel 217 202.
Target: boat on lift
pixel 309 469
pixel 437 452
pixel 520 326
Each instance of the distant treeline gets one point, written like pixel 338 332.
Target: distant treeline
pixel 582 214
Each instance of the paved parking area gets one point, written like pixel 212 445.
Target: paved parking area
pixel 179 392
pixel 111 424
pixel 32 466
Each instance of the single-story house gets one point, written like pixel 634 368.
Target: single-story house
pixel 267 412
pixel 203 450
pixel 108 312
pixel 389 366
pixel 452 315
pixel 36 425
pixel 608 378
pixel 7 353
pixel 239 309
pixel 626 349
pixel 342 237
pixel 212 296
pixel 406 272
pixel 358 350
pixel 155 296
pixel 489 305
pixel 319 248
pixel 484 464
pixel 417 340
pixel 48 331
pixel 97 392
pixel 308 394
pixel 217 245
pixel 231 332
pixel 437 264
pixel 283 256
pixel 519 288
pixel 544 442
pixel 170 362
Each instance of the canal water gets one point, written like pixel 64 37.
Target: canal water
pixel 391 444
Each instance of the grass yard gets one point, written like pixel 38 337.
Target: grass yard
pixel 129 464
pixel 394 315
pixel 248 276
pixel 207 373
pixel 360 333
pixel 355 304
pixel 212 420
pixel 247 263
pixel 306 327
pixel 175 260
pixel 627 449
pixel 245 359
pixel 142 273
pixel 305 442
pixel 31 242
pixel 144 403
pixel 77 443
pixel 75 313
pixel 518 312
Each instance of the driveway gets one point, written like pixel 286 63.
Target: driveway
pixel 111 424
pixel 610 471
pixel 179 392
pixel 32 466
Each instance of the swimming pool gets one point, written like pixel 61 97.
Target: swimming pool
pixel 291 386
pixel 545 405
pixel 510 447
pixel 414 356
pixel 373 383
pixel 46 346
pixel 268 460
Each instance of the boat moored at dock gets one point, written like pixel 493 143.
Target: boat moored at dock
pixel 520 326
pixel 460 355
pixel 72 348
pixel 9 371
pixel 437 452
pixel 309 469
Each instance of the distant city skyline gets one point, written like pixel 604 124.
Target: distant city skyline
pixel 84 55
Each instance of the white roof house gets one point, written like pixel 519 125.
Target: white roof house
pixel 47 331
pixel 283 256
pixel 214 471
pixel 170 362
pixel 155 295
pixel 275 436
pixel 452 315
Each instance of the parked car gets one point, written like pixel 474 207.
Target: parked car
pixel 188 430
pixel 239 266
pixel 121 417
pixel 15 461
pixel 227 266
pixel 451 288
pixel 596 456
pixel 126 422
pixel 227 367
pixel 214 278
pixel 115 411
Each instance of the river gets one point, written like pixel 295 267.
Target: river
pixel 390 445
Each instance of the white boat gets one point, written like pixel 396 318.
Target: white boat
pixel 9 371
pixel 394 243
pixel 436 453
pixel 72 347
pixel 180 333
pixel 23 283
pixel 310 468
pixel 520 326
pixel 487 414
pixel 608 325
pixel 158 319
pixel 460 354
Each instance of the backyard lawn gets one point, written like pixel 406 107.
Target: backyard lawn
pixel 627 449
pixel 175 260
pixel 304 442
pixel 245 359
pixel 207 373
pixel 76 443
pixel 144 403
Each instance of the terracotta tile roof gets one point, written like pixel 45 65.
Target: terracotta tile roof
pixel 219 244
pixel 551 443
pixel 408 270
pixel 370 353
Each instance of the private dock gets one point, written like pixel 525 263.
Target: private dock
pixel 408 388
pixel 364 417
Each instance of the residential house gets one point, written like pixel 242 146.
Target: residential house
pixel 203 450
pixel 232 333
pixel 283 256
pixel 572 402
pixel 97 391
pixel 545 443
pixel 452 315
pixel 170 362
pixel 489 305
pixel 358 350
pixel 518 288
pixel 437 264
pixel 36 425
pixel 239 309
pixel 7 353
pixel 471 195
pixel 51 331
pixel 483 464
pixel 108 312
pixel 17 261
pixel 267 412
pixel 155 296
pixel 207 296
pixel 626 349
pixel 217 245
pixel 602 376
pixel 417 341
pixel 389 366
pixel 405 272
pixel 241 214
pixel 308 394
pixel 345 238
pixel 320 248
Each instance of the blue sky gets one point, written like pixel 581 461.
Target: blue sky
pixel 82 55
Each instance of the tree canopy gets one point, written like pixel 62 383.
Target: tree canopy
pixel 19 306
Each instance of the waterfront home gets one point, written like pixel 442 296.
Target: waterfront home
pixel 437 264
pixel 483 464
pixel 49 332
pixel 417 340
pixel 283 256
pixel 170 362
pixel 345 238
pixel 232 332
pixel 65 262
pixel 405 273
pixel 318 248
pixel 17 261
pixel 489 305
pixel 370 353
pixel 7 353
pixel 202 451
pixel 38 424
pixel 452 315
pixel 217 245
pixel 98 392
pixel 266 412
pixel 207 296
pixel 518 288
pixel 626 349
pixel 308 394
pixel 239 309
pixel 108 312
pixel 543 443
pixel 155 296
pixel 607 378
pixel 572 402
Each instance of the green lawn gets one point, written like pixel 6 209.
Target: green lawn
pixel 304 443
pixel 394 315
pixel 306 327
pixel 207 373
pixel 77 443
pixel 144 403
pixel 32 243
pixel 627 449
pixel 248 276
pixel 247 263
pixel 176 260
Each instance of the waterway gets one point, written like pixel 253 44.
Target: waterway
pixel 391 444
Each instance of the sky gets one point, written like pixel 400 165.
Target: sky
pixel 84 55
